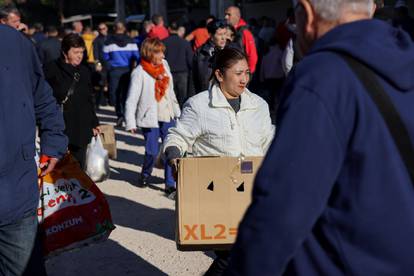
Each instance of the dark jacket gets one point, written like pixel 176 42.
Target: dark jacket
pixel 202 66
pixel 333 196
pixel 98 45
pixel 406 23
pixel 78 112
pixel 25 99
pixel 39 37
pixel 178 54
pixel 49 49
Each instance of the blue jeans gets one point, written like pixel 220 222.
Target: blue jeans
pixel 16 244
pixel 151 136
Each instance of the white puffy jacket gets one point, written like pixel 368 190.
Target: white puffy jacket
pixel 209 126
pixel 141 108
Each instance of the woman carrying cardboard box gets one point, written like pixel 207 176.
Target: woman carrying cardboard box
pixel 226 120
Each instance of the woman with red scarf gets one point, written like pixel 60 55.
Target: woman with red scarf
pixel 152 105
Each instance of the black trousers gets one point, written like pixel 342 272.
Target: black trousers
pixel 99 82
pixel 118 88
pixel 79 153
pixel 220 264
pixel 180 80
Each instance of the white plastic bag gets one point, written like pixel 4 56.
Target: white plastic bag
pixel 97 160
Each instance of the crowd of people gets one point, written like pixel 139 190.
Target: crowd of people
pixel 336 173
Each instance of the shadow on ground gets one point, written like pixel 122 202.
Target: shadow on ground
pixel 98 257
pixel 157 221
pixel 110 258
pixel 131 176
pixel 130 139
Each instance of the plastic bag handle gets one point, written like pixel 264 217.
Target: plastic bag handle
pixel 99 141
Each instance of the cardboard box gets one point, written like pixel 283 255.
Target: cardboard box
pixel 108 140
pixel 213 194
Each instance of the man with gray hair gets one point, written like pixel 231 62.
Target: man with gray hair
pixel 334 195
pixel 11 16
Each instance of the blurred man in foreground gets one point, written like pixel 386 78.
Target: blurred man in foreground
pixel 335 193
pixel 25 100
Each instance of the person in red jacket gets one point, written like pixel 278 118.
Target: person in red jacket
pixel 158 30
pixel 233 17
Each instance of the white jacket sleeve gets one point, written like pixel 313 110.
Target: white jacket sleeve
pixel 268 129
pixel 134 94
pixel 287 58
pixel 186 131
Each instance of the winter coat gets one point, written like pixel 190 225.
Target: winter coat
pixel 209 126
pixel 141 108
pixel 88 39
pixel 159 32
pixel 333 196
pixel 26 100
pixel 49 49
pixel 178 54
pixel 202 66
pixel 249 44
pixel 78 112
pixel 120 51
pixel 98 46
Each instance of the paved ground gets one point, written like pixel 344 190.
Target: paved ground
pixel 143 242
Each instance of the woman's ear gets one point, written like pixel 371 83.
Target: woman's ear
pixel 219 75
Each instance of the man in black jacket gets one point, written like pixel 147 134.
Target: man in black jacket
pixel 49 49
pixel 100 76
pixel 99 43
pixel 179 56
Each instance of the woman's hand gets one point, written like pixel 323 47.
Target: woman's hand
pixel 96 131
pixel 133 130
pixel 174 165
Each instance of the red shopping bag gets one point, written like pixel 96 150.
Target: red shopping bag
pixel 72 211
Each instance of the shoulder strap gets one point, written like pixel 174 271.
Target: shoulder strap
pixel 387 109
pixel 71 89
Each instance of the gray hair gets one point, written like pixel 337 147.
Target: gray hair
pixel 332 9
pixel 5 11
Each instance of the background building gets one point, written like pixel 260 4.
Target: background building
pixel 187 12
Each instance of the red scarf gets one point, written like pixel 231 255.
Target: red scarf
pixel 161 78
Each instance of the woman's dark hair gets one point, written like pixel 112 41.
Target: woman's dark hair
pixel 232 29
pixel 214 25
pixel 72 41
pixel 224 59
